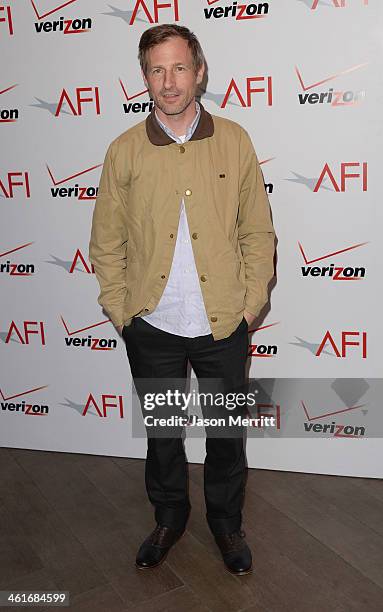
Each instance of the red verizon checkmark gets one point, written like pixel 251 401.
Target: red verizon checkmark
pixel 78 331
pixel 330 78
pixel 16 249
pixel 310 261
pixel 321 416
pixel 136 95
pixel 51 11
pixel 264 161
pixel 68 178
pixel 8 89
pixel 250 331
pixel 22 393
pixel 210 2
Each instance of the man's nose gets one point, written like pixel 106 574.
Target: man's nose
pixel 169 79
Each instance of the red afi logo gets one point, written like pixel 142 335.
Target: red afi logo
pixel 344 343
pixel 89 269
pixel 76 107
pixel 344 175
pixel 155 6
pixel 29 328
pixel 6 17
pixel 12 182
pixel 266 89
pixel 107 401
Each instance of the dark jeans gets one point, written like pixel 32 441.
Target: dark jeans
pixel 154 353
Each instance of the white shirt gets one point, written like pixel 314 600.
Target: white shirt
pixel 181 309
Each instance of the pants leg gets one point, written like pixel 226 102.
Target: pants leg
pixel 225 463
pixel 153 353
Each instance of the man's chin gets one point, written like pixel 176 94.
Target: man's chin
pixel 173 109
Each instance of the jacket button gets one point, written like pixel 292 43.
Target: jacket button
pixel 195 235
pixel 203 277
pixel 214 319
pixel 188 192
pixel 146 309
pixel 162 275
pixel 182 149
pixel 171 235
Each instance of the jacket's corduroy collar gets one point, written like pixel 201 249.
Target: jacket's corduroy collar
pixel 157 136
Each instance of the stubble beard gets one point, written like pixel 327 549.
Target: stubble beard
pixel 171 110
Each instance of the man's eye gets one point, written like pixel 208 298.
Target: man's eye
pixel 180 68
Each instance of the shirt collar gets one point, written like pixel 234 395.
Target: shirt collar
pixel 191 129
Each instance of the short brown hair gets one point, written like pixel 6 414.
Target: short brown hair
pixel 158 34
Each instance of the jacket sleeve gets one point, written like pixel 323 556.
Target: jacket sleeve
pixel 107 247
pixel 255 229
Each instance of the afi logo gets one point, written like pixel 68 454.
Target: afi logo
pixel 105 403
pixel 259 85
pixel 238 11
pixel 12 180
pixel 151 9
pixel 80 193
pixel 344 175
pixel 344 343
pixel 8 115
pixel 28 328
pixel 337 3
pixel 6 19
pixel 16 269
pixel 336 273
pixel 264 411
pixel 79 257
pixel 22 406
pixel 79 100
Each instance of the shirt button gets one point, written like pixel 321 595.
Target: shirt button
pixel 203 278
pixel 182 149
pixel 214 319
pixel 195 235
pixel 188 192
pixel 162 275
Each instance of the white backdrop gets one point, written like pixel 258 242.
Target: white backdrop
pixel 69 84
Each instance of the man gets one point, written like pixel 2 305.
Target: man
pixel 182 245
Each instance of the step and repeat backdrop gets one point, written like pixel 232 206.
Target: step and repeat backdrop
pixel 304 77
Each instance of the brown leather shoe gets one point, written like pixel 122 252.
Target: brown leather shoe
pixel 155 547
pixel 235 552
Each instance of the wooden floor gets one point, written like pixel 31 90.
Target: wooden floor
pixel 74 522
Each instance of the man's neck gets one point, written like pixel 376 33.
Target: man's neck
pixel 179 124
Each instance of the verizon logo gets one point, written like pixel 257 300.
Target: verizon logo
pixel 332 271
pixel 237 11
pixel 31 409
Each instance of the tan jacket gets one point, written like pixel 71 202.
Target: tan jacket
pixel 135 220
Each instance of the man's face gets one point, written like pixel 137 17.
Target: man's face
pixel 171 77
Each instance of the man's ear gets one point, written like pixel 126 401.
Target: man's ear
pixel 200 74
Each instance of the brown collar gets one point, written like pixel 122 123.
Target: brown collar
pixel 157 136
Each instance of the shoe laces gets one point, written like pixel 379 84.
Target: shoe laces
pixel 157 536
pixel 234 541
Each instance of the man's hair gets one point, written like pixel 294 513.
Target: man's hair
pixel 158 34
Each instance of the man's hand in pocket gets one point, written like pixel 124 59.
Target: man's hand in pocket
pixel 250 318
